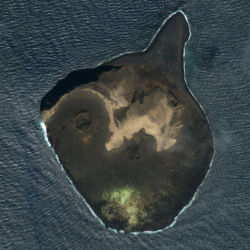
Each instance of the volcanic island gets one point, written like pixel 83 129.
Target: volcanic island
pixel 130 135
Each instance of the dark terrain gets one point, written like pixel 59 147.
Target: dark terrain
pixel 130 135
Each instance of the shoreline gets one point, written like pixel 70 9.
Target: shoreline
pixel 107 64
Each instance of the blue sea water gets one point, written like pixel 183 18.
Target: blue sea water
pixel 41 42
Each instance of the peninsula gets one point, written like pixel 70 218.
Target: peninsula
pixel 130 135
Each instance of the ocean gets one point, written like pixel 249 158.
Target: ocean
pixel 41 42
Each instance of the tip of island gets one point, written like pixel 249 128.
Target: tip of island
pixel 130 135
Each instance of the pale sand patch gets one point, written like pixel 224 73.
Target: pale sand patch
pixel 154 115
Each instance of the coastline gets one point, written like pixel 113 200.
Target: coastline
pixel 183 63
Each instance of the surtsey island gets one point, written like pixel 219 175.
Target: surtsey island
pixel 130 135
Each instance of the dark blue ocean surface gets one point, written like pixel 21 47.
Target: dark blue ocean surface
pixel 41 42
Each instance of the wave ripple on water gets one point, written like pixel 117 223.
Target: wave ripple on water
pixel 42 42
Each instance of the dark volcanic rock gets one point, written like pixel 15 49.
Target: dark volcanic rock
pixel 130 135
